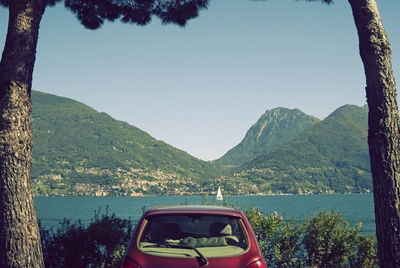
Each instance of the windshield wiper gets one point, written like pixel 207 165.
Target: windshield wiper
pixel 202 259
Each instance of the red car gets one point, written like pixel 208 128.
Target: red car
pixel 193 236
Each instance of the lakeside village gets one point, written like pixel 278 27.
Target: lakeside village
pixel 137 182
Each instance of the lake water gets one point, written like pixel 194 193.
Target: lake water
pixel 354 207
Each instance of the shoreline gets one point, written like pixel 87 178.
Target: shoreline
pixel 198 194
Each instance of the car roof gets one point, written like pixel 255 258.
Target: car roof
pixel 193 209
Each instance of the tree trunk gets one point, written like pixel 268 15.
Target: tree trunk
pixel 19 233
pixel 383 133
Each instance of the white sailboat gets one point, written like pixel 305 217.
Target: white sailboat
pixel 219 194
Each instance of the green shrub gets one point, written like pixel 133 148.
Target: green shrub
pixel 100 244
pixel 279 239
pixel 324 240
pixel 331 242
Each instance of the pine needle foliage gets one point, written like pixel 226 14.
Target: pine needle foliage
pixel 93 13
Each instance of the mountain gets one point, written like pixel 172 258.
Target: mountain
pixel 330 156
pixel 274 128
pixel 78 150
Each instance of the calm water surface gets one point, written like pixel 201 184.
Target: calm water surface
pixel 354 207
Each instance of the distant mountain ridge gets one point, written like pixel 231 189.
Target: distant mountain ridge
pixel 79 151
pixel 342 136
pixel 274 128
pixel 76 145
pixel 330 156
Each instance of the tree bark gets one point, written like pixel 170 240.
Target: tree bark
pixel 19 233
pixel 383 133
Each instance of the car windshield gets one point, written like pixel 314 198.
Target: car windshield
pixel 177 236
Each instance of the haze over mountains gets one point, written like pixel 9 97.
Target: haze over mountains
pixel 78 151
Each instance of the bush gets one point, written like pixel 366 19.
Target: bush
pixel 100 244
pixel 324 240
pixel 279 239
pixel 330 242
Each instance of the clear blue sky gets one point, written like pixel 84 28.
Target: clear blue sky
pixel 200 88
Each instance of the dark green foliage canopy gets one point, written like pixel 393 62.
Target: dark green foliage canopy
pixel 324 240
pixel 100 244
pixel 93 13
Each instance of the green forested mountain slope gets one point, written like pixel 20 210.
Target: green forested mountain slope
pixel 74 145
pixel 330 156
pixel 341 137
pixel 274 128
pixel 79 151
